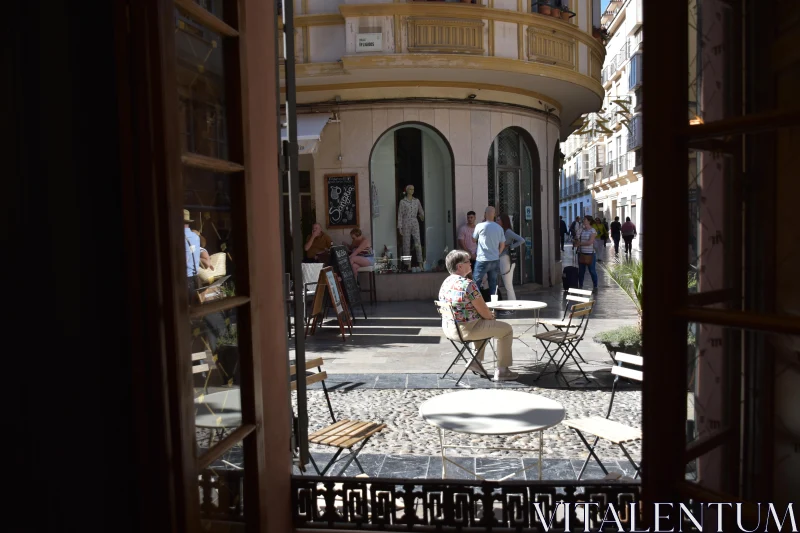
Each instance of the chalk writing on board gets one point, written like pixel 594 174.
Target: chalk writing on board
pixel 341 195
pixel 341 262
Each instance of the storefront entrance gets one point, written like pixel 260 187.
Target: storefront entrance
pixel 514 190
pixel 411 155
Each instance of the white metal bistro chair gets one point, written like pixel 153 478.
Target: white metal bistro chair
pixel 571 298
pixel 605 428
pixel 565 341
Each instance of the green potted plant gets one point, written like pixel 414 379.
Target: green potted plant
pixel 628 274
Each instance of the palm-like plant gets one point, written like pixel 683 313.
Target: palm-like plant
pixel 628 275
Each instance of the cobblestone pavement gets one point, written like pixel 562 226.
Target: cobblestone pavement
pixel 408 434
pixel 393 361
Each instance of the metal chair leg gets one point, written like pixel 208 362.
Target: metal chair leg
pixel 591 454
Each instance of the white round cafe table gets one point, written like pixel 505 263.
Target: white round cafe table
pixel 219 410
pixel 491 412
pixel 521 305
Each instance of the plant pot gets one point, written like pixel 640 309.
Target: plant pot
pixel 466 1
pixel 566 15
pixel 596 33
pixel 556 12
pixel 544 10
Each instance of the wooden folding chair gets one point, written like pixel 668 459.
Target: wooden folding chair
pixel 604 428
pixel 342 434
pixel 566 341
pixel 446 310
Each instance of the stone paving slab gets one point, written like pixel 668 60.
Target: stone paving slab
pixel 430 467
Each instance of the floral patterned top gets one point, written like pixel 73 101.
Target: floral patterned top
pixel 460 291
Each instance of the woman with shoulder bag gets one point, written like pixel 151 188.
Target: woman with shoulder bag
pixel 587 256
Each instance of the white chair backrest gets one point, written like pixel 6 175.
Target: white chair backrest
pixel 625 372
pixel 202 367
pixel 311 272
pixel 579 292
pixel 445 309
pixel 578 299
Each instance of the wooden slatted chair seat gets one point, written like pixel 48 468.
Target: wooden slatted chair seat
pixel 341 434
pixel 345 433
pixel 604 428
pixel 556 336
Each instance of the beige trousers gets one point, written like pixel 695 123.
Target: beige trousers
pixel 484 329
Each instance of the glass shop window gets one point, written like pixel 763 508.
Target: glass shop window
pixel 411 188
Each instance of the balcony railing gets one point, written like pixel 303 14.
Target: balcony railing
pixel 622 163
pixel 609 171
pixel 635 133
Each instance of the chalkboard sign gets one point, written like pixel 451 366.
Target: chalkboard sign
pixel 340 259
pixel 328 282
pixel 341 200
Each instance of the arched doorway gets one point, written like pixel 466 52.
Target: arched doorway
pixel 418 155
pixel 514 189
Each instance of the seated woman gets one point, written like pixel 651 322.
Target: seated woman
pixel 360 251
pixel 475 320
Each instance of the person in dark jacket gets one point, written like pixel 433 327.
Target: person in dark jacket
pixel 564 231
pixel 616 233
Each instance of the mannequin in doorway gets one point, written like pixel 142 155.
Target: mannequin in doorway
pixel 408 211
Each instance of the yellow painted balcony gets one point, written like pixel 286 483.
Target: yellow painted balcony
pixel 453 50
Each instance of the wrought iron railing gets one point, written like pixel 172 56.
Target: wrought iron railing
pixel 455 505
pixel 622 163
pixel 609 170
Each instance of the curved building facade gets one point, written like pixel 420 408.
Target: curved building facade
pixel 465 102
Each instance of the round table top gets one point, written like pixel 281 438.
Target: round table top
pixel 516 305
pixel 222 409
pixel 492 412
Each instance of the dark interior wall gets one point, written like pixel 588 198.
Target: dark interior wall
pixel 68 355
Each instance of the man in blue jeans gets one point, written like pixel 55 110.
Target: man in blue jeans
pixel 491 240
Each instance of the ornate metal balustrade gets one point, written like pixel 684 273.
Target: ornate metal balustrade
pixel 456 505
pixel 445 35
pixel 548 46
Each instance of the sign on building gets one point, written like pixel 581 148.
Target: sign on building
pixel 369 42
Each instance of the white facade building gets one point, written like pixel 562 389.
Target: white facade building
pixel 603 157
pixel 467 102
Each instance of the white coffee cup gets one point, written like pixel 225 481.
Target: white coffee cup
pixel 494 298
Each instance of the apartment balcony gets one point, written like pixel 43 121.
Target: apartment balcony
pixel 635 133
pixel 610 170
pixel 432 49
pixel 597 157
pixel 622 164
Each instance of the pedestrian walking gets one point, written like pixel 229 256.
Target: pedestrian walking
pixel 563 227
pixel 628 233
pixel 605 232
pixel 616 233
pixel 587 257
pixel 574 230
pixel 600 231
pixel 491 241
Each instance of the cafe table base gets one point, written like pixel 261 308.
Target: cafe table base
pixel 445 459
